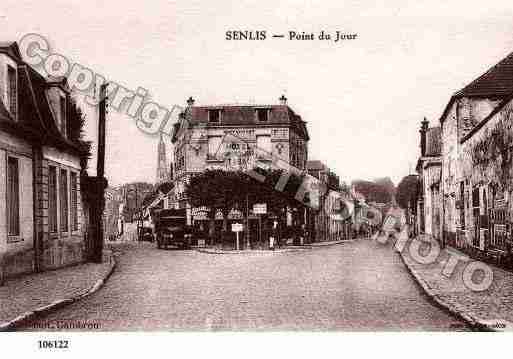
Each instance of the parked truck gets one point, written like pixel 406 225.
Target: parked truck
pixel 171 228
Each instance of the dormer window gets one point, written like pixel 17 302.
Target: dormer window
pixel 63 115
pixel 214 116
pixel 12 91
pixel 262 114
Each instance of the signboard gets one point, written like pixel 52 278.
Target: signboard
pixel 235 214
pixel 260 208
pixel 237 227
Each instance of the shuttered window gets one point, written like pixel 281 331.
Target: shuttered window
pixel 63 115
pixel 213 145
pixel 214 116
pixel 264 143
pixel 262 115
pixel 74 201
pixel 13 197
pixel 462 208
pixel 13 91
pixel 63 199
pixel 52 199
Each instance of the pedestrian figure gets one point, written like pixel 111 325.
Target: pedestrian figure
pixel 274 233
pixel 302 235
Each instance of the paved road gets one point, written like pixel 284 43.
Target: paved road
pixel 354 286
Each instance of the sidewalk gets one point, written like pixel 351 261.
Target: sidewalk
pixel 491 309
pixel 27 296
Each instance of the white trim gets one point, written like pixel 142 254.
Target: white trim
pixel 54 155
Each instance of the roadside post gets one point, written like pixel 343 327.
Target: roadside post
pixel 260 209
pixel 237 228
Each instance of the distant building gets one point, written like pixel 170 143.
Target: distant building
pixel 327 225
pixel 232 136
pixel 429 167
pixel 235 137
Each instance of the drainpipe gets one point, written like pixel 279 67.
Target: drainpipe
pixel 35 200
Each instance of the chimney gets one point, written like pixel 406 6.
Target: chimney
pixel 283 100
pixel 423 130
pixel 190 101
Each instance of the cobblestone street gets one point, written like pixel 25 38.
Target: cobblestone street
pixel 360 285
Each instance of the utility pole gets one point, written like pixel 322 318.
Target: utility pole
pixel 248 244
pixel 97 213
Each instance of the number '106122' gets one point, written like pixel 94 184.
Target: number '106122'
pixel 53 344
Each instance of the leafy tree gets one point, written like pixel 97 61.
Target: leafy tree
pixel 224 190
pixel 76 127
pixel 375 192
pixel 387 184
pixel 407 190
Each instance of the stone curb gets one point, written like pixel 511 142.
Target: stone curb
pixel 333 243
pixel 283 250
pixel 31 315
pixel 252 251
pixel 435 297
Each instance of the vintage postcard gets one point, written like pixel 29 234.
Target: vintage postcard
pixel 255 166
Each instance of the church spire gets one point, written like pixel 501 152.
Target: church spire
pixel 162 170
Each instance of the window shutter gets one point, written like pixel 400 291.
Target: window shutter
pixel 13 197
pixel 13 93
pixel 52 199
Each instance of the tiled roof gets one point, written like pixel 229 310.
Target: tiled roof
pixel 236 115
pixel 35 118
pixel 10 48
pixel 434 141
pixel 497 81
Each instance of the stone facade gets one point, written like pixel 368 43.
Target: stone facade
pixel 473 190
pixel 234 140
pixel 476 172
pixel 35 138
pixel 429 171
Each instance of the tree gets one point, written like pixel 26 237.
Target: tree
pixel 76 128
pixel 225 190
pixel 381 192
pixel 387 184
pixel 407 190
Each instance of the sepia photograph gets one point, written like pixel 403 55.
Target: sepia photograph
pixel 238 171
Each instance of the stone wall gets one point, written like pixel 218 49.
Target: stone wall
pixel 458 166
pixel 61 248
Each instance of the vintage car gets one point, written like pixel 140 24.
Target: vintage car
pixel 171 228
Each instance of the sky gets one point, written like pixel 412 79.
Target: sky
pixel 363 100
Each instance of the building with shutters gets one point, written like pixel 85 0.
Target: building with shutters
pixel 232 137
pixel 477 169
pixel 41 162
